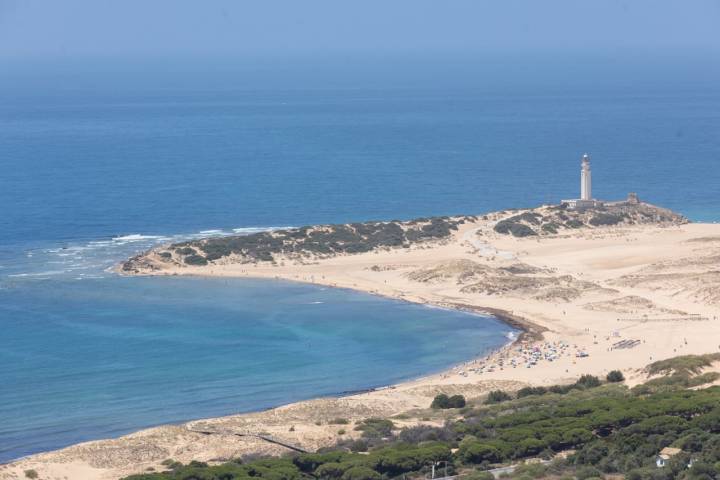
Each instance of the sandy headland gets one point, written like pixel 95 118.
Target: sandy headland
pixel 596 290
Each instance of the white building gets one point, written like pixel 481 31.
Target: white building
pixel 585 200
pixel 665 455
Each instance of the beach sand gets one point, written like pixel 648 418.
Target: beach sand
pixel 592 300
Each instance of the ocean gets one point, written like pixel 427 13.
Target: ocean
pixel 91 177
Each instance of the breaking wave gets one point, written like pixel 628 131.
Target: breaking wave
pixel 96 258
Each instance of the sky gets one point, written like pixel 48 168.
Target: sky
pixel 182 28
pixel 52 44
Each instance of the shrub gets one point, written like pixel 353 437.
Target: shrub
pixel 561 389
pixel 196 260
pixel 331 470
pixel 426 433
pixel 527 391
pixel 359 446
pixel 574 223
pixel 477 452
pixel 529 446
pixel 682 365
pixel 583 473
pixel 361 473
pixel 442 402
pixel 395 460
pixel 376 427
pixel 339 421
pixel 514 228
pixel 550 227
pixel 605 219
pixel 497 396
pixel 576 436
pixel 309 462
pixel 615 376
pixel 31 473
pixel 588 381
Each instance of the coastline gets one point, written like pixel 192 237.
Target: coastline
pixel 522 325
pixel 573 296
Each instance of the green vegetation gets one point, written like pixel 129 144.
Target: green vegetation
pixel 679 372
pixel 443 402
pixel 608 430
pixel 497 396
pixel 376 428
pixel 615 376
pixel 682 365
pixel 551 227
pixel 674 382
pixel 31 473
pixel 527 391
pixel 320 240
pixel 584 382
pixel 515 228
pixel 196 260
pixel 558 217
pixel 602 219
pixel 588 381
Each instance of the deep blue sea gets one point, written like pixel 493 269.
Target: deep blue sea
pixel 90 177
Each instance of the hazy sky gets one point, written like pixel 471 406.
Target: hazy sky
pixel 147 28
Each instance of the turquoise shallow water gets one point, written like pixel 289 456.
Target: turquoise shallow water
pixel 104 356
pixel 90 177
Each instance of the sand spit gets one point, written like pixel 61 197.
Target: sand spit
pixel 609 293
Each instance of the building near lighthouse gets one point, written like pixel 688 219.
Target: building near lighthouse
pixel 586 199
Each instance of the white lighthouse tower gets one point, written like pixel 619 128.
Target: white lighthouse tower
pixel 586 199
pixel 585 179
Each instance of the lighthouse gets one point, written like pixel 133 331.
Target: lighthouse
pixel 585 179
pixel 586 199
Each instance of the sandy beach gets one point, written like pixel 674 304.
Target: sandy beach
pixel 590 300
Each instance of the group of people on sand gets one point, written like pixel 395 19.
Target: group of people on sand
pixel 521 355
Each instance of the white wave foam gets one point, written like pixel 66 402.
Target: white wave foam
pixel 213 232
pixel 249 230
pixel 76 248
pixel 37 274
pixel 136 237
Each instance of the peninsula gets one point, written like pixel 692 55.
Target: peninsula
pixel 612 286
